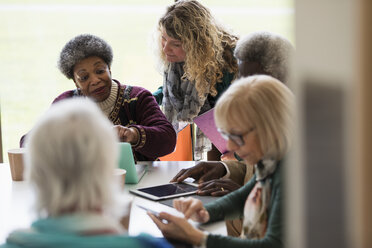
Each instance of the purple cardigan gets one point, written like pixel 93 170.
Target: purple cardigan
pixel 136 107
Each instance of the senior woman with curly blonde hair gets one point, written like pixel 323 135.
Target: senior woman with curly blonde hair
pixel 71 154
pixel 197 55
pixel 260 133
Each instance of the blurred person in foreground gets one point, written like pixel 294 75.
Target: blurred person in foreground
pixel 196 55
pixel 71 154
pixel 137 118
pixel 260 133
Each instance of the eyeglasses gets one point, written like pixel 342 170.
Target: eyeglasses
pixel 236 138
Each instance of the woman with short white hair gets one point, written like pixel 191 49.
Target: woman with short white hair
pixel 71 154
pixel 255 117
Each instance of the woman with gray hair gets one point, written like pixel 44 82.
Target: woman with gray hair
pixel 260 133
pixel 86 59
pixel 71 154
pixel 264 53
pixel 257 53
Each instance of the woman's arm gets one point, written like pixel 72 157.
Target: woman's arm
pixel 231 205
pixel 272 239
pixel 157 135
pixel 273 236
pixel 237 171
pixel 178 227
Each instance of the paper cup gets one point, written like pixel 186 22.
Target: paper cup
pixel 120 173
pixel 16 163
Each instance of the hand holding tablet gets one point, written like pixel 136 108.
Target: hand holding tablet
pixel 155 213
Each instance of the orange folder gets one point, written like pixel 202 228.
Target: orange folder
pixel 183 151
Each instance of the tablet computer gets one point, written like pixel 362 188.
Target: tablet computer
pixel 166 191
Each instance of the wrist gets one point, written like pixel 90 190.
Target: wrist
pixel 226 171
pixel 137 138
pixel 141 141
pixel 201 239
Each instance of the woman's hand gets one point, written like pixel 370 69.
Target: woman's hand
pixel 191 208
pixel 217 187
pixel 127 134
pixel 177 228
pixel 201 172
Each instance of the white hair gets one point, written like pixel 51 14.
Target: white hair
pixel 70 157
pixel 264 103
pixel 270 50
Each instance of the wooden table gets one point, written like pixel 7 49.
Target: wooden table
pixel 17 200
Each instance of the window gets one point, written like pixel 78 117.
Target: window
pixel 32 35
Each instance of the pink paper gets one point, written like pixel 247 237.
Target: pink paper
pixel 207 125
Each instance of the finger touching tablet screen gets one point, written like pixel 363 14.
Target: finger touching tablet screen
pixel 166 191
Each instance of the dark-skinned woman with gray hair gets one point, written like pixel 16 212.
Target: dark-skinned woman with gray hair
pixel 257 53
pixel 137 118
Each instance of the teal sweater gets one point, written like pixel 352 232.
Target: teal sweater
pixel 231 206
pixel 61 232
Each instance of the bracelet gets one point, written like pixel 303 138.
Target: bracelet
pixel 138 135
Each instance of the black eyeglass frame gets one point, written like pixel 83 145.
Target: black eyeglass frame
pixel 236 138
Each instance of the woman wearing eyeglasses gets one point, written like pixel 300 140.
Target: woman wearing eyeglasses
pixel 255 115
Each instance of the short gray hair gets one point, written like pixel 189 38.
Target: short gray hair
pixel 268 107
pixel 81 47
pixel 270 50
pixel 71 154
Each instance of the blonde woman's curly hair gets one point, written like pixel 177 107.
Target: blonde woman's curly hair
pixel 208 46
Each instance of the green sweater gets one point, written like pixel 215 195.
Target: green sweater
pixel 231 206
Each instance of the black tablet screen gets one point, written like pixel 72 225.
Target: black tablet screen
pixel 169 189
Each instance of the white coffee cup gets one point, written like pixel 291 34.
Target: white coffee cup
pixel 121 173
pixel 16 163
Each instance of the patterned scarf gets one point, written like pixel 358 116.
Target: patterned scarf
pixel 257 204
pixel 182 104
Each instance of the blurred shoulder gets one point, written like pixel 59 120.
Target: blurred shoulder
pixel 66 95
